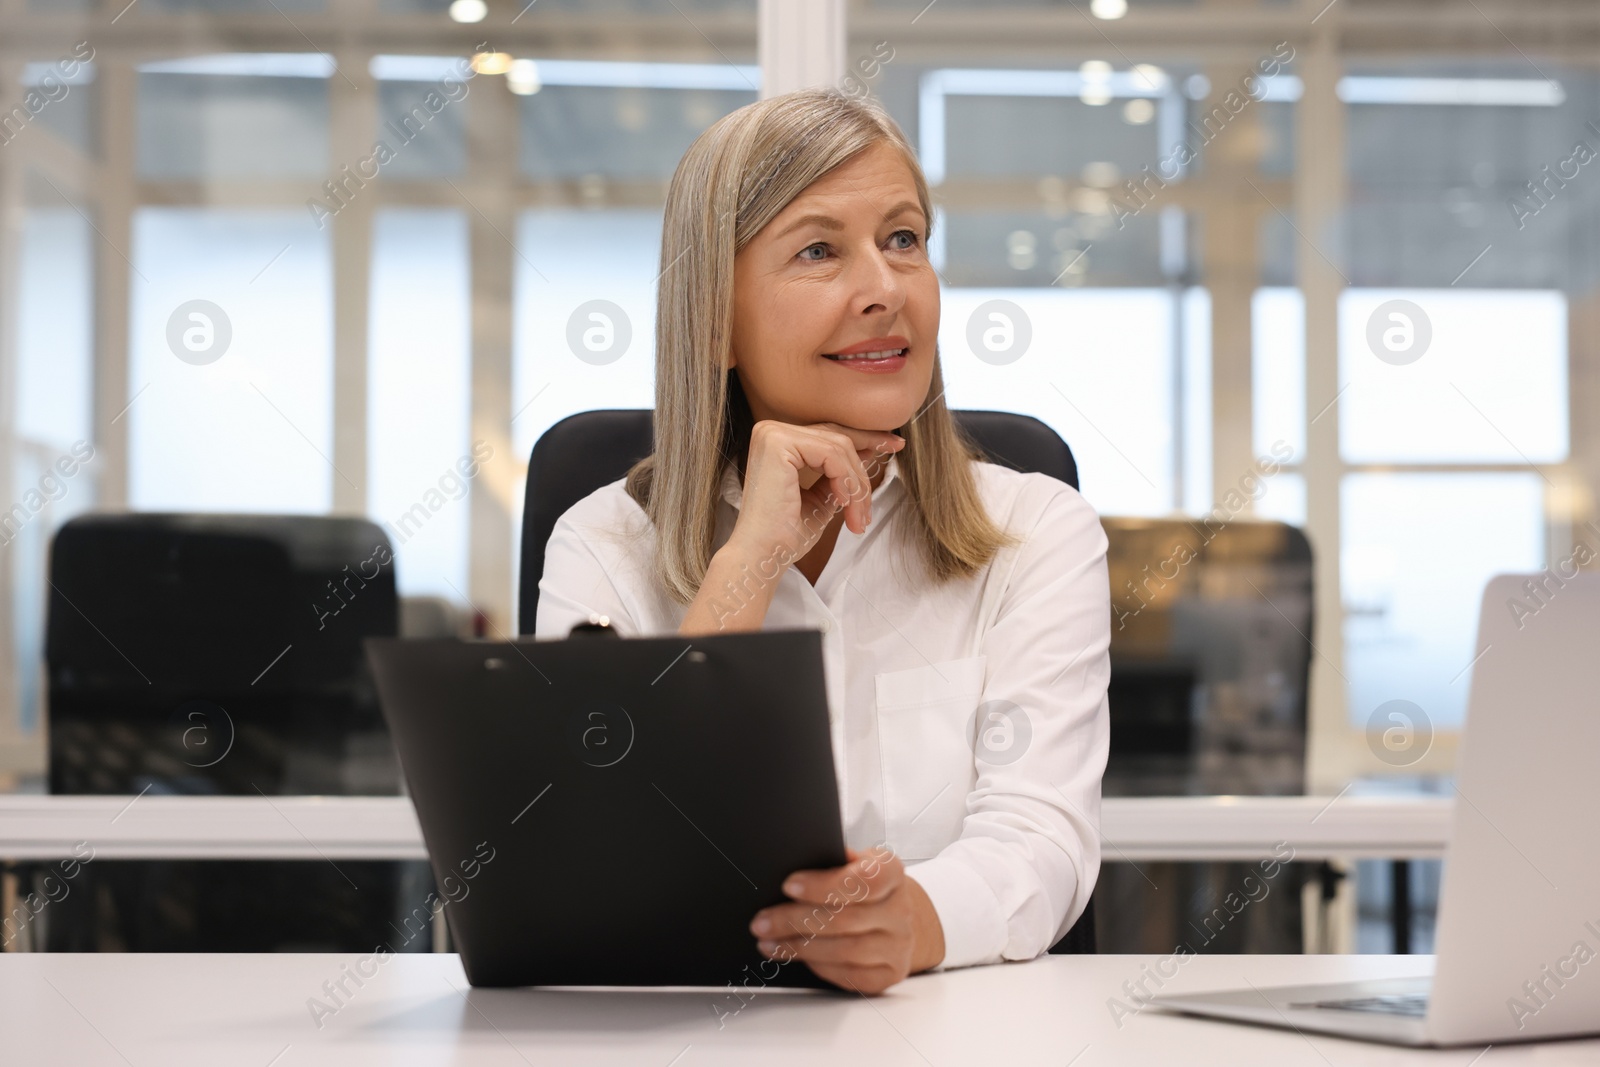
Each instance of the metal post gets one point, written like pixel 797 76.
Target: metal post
pixel 801 44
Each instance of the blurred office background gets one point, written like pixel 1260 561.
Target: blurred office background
pixel 1326 264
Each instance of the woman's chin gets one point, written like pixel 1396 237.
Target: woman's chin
pixel 886 413
pixel 888 421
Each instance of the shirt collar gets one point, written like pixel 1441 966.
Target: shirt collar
pixel 733 489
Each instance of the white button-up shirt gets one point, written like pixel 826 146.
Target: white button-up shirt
pixel 969 718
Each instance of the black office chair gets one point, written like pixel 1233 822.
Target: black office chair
pixel 222 655
pixel 1210 669
pixel 583 452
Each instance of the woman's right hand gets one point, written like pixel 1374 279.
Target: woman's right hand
pixel 797 478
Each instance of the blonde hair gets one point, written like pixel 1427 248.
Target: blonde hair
pixel 733 180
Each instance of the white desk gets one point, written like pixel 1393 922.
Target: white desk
pixel 177 1010
pixel 1134 829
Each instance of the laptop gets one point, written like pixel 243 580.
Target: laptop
pixel 610 811
pixel 1518 936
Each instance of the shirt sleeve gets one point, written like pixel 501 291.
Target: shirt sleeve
pixel 576 582
pixel 1026 862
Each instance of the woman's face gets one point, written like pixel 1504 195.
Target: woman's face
pixel 845 264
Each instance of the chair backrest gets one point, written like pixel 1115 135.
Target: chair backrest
pixel 172 640
pixel 583 452
pixel 1211 645
pixel 222 654
pixel 1210 656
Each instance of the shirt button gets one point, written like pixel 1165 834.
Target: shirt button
pixel 826 626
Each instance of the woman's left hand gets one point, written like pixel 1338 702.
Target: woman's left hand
pixel 863 926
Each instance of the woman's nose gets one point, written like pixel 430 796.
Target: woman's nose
pixel 880 283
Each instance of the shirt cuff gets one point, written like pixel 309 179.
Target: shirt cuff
pixel 974 931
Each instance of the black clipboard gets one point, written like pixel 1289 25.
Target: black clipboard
pixel 603 810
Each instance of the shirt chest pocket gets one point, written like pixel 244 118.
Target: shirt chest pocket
pixel 925 724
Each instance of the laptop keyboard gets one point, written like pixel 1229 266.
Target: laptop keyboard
pixel 1412 1004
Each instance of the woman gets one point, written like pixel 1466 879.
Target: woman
pixel 807 473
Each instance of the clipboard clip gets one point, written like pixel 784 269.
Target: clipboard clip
pixel 597 626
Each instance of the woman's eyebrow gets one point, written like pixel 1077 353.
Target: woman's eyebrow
pixel 828 222
pixel 900 209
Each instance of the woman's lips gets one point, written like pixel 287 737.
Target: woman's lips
pixel 887 343
pixel 883 353
pixel 872 362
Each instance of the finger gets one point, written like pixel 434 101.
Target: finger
pixel 875 459
pixel 871 875
pixel 771 439
pixel 879 453
pixel 783 921
pixel 820 920
pixel 863 951
pixel 866 440
pixel 849 485
pixel 851 490
pixel 849 480
pixel 868 981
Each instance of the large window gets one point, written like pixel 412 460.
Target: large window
pixel 1097 365
pixel 314 259
pixel 1443 391
pixel 418 394
pixel 54 368
pixel 231 399
pixel 1067 264
pixel 1455 425
pixel 215 277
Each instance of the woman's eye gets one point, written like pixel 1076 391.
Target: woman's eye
pixel 911 236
